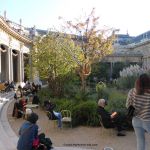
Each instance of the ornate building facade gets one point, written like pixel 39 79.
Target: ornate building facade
pixel 14 50
pixel 16 43
pixel 131 49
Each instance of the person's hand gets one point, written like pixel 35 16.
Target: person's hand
pixel 114 114
pixel 39 129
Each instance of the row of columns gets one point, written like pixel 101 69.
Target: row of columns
pixel 9 63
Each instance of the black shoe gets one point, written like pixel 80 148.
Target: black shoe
pixel 121 134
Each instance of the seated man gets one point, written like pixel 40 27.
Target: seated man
pixel 110 120
pixel 55 115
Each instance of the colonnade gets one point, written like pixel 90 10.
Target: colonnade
pixel 11 64
pixel 13 46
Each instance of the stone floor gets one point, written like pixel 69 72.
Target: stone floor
pixel 78 138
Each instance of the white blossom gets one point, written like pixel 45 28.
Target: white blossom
pixel 133 70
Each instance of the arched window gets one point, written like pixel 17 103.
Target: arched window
pixel 3 48
pixel 15 52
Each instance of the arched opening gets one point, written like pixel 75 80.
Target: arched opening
pixel 4 62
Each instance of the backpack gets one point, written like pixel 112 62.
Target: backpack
pixel 45 141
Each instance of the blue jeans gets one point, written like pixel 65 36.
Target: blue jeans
pixel 59 118
pixel 140 127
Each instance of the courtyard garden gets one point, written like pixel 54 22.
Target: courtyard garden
pixel 83 104
pixel 73 66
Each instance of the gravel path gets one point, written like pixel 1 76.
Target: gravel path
pixel 83 137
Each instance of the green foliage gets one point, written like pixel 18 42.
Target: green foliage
pixel 116 69
pixel 126 82
pixel 100 72
pixel 44 94
pixel 51 55
pixel 101 90
pixel 62 104
pixel 52 58
pixel 104 71
pixel 116 101
pixel 85 113
pixel 94 43
pixel 81 95
pixel 71 85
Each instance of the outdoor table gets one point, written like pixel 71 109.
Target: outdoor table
pixel 31 106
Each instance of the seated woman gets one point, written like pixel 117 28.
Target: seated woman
pixel 19 108
pixel 28 132
pixel 55 115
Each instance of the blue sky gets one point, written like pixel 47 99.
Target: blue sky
pixel 127 15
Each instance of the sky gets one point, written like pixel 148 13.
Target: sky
pixel 130 16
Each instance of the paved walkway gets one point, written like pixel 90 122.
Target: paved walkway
pixel 79 138
pixel 8 138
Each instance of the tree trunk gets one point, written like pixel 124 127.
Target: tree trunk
pixel 84 72
pixel 83 82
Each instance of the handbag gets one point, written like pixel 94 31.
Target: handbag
pixel 35 143
pixel 130 112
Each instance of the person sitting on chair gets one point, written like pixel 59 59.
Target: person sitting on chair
pixel 110 120
pixel 55 115
pixel 35 99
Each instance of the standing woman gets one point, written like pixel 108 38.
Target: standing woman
pixel 139 98
pixel 28 132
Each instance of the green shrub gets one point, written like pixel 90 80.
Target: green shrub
pixel 62 104
pixel 85 113
pixel 126 82
pixel 44 94
pixel 102 90
pixel 116 101
pixel 71 85
pixel 92 96
pixel 81 95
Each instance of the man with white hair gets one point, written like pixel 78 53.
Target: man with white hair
pixel 110 120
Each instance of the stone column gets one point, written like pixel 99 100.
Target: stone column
pixel 19 67
pixel 0 67
pixel 22 59
pixel 11 66
pixel 9 60
pixel 8 76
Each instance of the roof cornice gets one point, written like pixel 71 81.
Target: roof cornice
pixel 12 32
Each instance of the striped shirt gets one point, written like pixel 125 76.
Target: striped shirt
pixel 141 104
